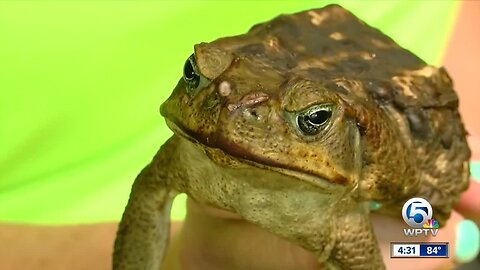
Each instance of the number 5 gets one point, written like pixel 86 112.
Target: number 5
pixel 418 208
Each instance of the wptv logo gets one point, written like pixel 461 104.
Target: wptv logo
pixel 417 213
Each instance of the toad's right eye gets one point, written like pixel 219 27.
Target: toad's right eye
pixel 190 74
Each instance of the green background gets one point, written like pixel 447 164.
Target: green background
pixel 81 84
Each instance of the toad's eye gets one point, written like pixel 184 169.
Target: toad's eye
pixel 312 120
pixel 190 74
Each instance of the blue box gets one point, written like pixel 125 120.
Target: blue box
pixel 434 250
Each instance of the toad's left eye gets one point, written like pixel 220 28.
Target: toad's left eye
pixel 312 120
pixel 190 74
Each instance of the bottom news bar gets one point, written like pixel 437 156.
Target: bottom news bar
pixel 419 250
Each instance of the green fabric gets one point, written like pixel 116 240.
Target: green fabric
pixel 81 84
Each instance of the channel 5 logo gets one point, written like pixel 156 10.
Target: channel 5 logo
pixel 417 213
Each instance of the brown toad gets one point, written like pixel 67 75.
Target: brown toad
pixel 296 126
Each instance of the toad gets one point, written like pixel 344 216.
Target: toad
pixel 297 126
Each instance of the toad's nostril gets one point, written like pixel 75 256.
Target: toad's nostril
pixel 249 100
pixel 253 99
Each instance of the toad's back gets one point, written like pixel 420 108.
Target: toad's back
pixel 400 102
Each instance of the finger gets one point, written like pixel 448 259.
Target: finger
pixel 469 204
pixel 474 144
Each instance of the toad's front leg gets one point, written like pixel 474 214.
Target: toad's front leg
pixel 355 247
pixel 143 233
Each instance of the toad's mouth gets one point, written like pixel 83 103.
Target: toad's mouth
pixel 233 152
